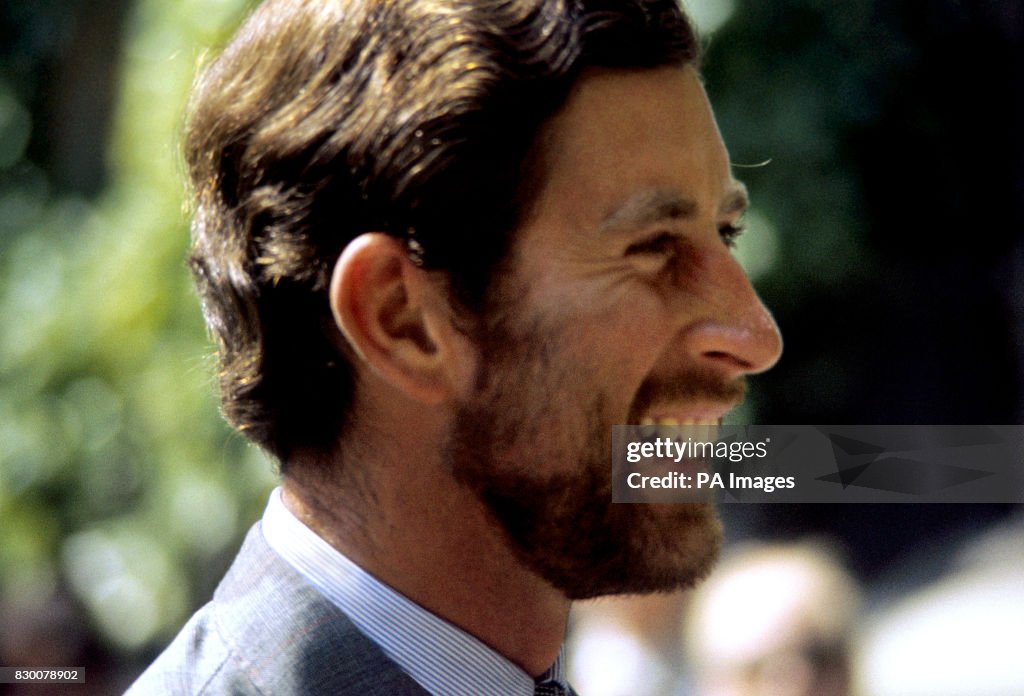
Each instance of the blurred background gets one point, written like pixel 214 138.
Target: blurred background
pixel 882 144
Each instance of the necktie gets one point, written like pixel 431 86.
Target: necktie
pixel 549 688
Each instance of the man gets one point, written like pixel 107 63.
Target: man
pixel 445 246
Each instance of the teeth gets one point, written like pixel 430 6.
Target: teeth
pixel 648 421
pixel 647 428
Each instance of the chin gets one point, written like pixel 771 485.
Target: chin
pixel 663 548
pixel 586 547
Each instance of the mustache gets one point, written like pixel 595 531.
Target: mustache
pixel 692 385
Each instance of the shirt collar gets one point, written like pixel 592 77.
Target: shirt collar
pixel 442 658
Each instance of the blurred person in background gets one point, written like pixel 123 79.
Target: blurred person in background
pixel 774 620
pixel 628 646
pixel 959 635
pixel 444 247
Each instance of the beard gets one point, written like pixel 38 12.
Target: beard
pixel 543 470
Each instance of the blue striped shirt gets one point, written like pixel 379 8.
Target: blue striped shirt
pixel 443 659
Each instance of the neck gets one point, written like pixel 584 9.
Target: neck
pixel 412 526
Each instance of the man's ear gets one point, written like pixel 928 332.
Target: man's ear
pixel 397 319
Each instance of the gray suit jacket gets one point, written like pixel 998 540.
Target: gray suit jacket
pixel 268 631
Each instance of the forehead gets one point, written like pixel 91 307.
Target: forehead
pixel 625 134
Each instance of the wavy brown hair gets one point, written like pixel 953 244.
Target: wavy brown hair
pixel 324 119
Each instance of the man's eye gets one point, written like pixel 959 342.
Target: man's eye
pixel 730 233
pixel 660 244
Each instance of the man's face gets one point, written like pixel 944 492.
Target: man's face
pixel 621 303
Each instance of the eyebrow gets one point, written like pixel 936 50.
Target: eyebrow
pixel 648 207
pixel 655 205
pixel 736 201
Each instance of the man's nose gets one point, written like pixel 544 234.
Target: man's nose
pixel 729 329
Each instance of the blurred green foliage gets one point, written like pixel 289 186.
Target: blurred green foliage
pixel 119 483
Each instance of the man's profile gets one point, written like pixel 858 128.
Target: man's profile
pixel 443 247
